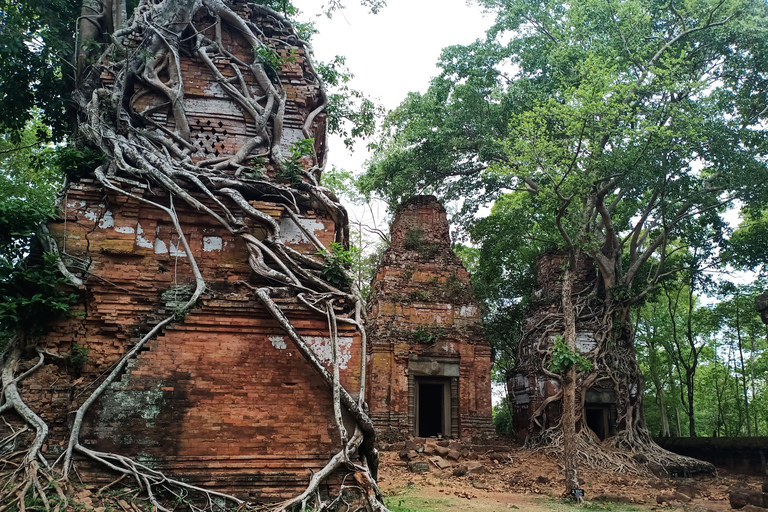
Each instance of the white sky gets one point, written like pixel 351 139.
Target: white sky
pixel 390 53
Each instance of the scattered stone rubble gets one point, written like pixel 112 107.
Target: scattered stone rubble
pixel 750 500
pixel 462 457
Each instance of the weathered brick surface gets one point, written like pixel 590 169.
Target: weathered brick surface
pixel 530 387
pixel 221 397
pixel 422 307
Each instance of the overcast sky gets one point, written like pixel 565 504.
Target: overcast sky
pixel 390 53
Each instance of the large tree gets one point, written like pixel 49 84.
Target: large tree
pixel 633 123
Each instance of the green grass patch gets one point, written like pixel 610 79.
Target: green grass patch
pixel 567 506
pixel 406 502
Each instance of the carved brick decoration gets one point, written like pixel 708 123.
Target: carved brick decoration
pixel 429 365
pixel 221 397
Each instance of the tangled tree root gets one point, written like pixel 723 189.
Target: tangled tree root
pixel 138 148
pixel 621 453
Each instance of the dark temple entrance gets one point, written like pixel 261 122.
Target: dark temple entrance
pixel 600 412
pixel 597 420
pixel 433 407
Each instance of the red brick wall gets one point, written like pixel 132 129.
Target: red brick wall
pixel 221 397
pixel 422 289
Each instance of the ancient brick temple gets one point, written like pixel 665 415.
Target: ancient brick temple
pixel 429 365
pixel 530 388
pixel 221 397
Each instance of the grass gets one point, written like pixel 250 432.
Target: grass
pixel 596 506
pixel 411 499
pixel 405 503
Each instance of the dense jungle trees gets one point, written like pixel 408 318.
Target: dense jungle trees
pixel 630 125
pixel 729 382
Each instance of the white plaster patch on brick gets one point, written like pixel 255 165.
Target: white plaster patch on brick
pixel 125 229
pixel 177 251
pixel 215 90
pixel 208 106
pixel 212 243
pixel 449 348
pixel 291 234
pixel 323 349
pixel 91 215
pixel 468 311
pixel 76 204
pixel 290 136
pixel 585 342
pixel 278 342
pixel 107 220
pixel 160 247
pixel 140 240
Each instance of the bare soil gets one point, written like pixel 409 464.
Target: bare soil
pixel 532 481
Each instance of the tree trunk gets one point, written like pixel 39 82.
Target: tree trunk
pixel 569 387
pixel 743 368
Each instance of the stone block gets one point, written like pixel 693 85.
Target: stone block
pixel 475 468
pixel 453 455
pixel 439 462
pixel 418 466
pixel 743 497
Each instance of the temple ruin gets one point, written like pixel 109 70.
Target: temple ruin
pixel 221 396
pixel 530 388
pixel 429 365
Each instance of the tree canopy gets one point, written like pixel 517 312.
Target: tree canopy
pixel 634 123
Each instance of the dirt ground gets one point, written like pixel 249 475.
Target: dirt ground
pixel 531 481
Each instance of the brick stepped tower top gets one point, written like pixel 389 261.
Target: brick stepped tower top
pixel 430 365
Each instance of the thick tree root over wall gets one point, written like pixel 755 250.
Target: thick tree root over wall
pixel 612 366
pixel 135 146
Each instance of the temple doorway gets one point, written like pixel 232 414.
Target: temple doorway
pixel 433 406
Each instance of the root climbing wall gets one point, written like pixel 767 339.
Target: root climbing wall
pixel 222 397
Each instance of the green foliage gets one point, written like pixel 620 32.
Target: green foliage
pixel 342 183
pixel 36 44
pixel 428 334
pixel 78 356
pixel 293 167
pixel 731 348
pixel 502 417
pixel 613 116
pixel 272 59
pixel 454 288
pixel 563 359
pixel 76 162
pixel 413 239
pixel 337 261
pixel 32 297
pixel 351 115
pixel 29 279
pixel 748 246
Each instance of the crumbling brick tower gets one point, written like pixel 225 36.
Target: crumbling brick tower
pixel 222 396
pixel 429 365
pixel 530 388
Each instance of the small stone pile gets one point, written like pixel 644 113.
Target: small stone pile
pixel 422 454
pixel 749 500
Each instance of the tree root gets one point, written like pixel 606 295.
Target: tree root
pixel 164 157
pixel 619 454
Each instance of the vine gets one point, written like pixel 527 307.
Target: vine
pixel 609 364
